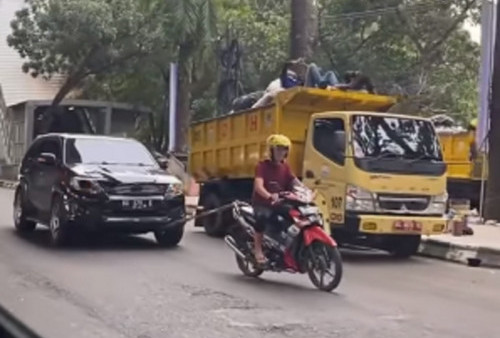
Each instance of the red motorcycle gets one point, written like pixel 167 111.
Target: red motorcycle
pixel 298 243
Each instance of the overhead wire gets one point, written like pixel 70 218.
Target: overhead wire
pixel 384 10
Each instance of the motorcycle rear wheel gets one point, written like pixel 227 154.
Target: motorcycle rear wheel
pixel 320 259
pixel 248 268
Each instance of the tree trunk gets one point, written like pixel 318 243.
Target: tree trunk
pixel 183 117
pixel 492 211
pixel 71 82
pixel 304 28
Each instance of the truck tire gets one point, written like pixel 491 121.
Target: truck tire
pixel 404 246
pixel 215 225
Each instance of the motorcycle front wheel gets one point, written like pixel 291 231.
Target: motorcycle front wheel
pixel 324 261
pixel 248 268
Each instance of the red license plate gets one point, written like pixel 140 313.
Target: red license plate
pixel 407 226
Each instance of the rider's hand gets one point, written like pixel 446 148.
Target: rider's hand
pixel 274 198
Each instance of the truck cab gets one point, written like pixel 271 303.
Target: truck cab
pixel 380 178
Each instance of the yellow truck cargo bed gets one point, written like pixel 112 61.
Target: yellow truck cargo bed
pixel 456 148
pixel 231 145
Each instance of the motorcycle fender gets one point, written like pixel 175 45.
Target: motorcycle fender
pixel 317 234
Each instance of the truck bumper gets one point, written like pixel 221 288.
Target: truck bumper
pixel 394 225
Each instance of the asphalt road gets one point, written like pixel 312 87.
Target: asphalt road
pixel 127 287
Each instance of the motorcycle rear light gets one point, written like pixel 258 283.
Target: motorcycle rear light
pixel 294 213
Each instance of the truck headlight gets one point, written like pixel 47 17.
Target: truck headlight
pixel 359 199
pixel 438 204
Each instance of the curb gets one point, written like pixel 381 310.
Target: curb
pixel 8 184
pixel 471 255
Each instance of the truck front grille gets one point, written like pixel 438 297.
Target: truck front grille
pixel 403 202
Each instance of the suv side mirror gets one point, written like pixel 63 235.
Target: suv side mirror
pixel 47 159
pixel 163 162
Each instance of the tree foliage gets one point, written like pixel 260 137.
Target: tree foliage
pixel 415 49
pixel 262 30
pixel 82 38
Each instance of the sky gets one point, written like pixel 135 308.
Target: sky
pixel 474 30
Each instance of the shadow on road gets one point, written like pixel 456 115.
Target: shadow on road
pixel 360 257
pixel 276 287
pixel 100 242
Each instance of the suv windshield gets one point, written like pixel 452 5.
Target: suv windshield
pixel 107 151
pixel 380 136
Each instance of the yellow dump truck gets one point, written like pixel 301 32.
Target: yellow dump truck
pixel 380 178
pixel 465 171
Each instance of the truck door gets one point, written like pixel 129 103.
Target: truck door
pixel 324 165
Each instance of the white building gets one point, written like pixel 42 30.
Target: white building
pixel 17 86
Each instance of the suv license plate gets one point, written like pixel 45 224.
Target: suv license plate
pixel 137 204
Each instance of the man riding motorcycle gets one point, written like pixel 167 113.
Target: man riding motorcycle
pixel 272 176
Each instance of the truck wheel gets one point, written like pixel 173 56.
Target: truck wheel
pixel 214 224
pixel 404 246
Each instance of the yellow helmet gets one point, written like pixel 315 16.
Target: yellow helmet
pixel 473 123
pixel 278 140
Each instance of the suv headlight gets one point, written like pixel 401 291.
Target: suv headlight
pixel 438 204
pixel 85 185
pixel 359 199
pixel 174 190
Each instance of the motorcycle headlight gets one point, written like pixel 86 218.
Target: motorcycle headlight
pixel 173 190
pixel 85 185
pixel 359 199
pixel 438 204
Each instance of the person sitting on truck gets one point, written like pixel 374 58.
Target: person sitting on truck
pixel 292 75
pixel 272 176
pixel 314 78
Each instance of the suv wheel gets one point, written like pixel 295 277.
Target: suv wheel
pixel 169 237
pixel 21 224
pixel 59 232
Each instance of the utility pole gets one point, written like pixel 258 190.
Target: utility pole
pixel 304 28
pixel 492 211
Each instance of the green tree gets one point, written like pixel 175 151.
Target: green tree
pixel 415 49
pixel 79 39
pixel 262 29
pixel 193 25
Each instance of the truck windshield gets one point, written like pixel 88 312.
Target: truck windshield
pixel 380 136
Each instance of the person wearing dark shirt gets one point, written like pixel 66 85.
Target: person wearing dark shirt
pixel 272 176
pixel 288 77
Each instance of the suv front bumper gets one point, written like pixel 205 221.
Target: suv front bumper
pixel 105 214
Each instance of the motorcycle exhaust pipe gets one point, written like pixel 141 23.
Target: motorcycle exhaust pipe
pixel 229 240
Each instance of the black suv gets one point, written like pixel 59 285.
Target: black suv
pixel 94 183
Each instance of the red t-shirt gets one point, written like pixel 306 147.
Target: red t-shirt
pixel 277 177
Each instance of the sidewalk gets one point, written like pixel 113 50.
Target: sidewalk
pixel 481 248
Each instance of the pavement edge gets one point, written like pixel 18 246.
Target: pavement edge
pixel 465 254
